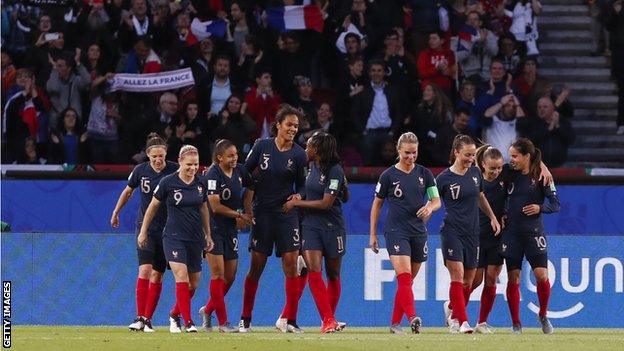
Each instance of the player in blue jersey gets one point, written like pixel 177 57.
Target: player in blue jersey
pixel 405 185
pixel 524 236
pixel 490 161
pixel 224 181
pixel 278 167
pixel 152 262
pixel 186 233
pixel 323 227
pixel 461 190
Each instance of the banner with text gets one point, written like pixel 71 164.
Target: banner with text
pixel 151 82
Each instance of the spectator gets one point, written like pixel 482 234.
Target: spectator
pixel 324 118
pixel 239 26
pixel 467 101
pixel 496 18
pixel 29 154
pixel 376 113
pixel 164 123
pixel 474 56
pixel 507 53
pixel 352 85
pixel 599 34
pixel 142 59
pixel 41 55
pixel 23 112
pixel 202 64
pixel 614 20
pixel 529 86
pixel 304 101
pixel 235 126
pixel 434 111
pixel 251 58
pixel 214 91
pixel 8 72
pixel 68 140
pixel 399 69
pixel 136 24
pixel 551 133
pixel 426 16
pixel 444 142
pixel 500 124
pixel 524 24
pixel 262 103
pixel 436 64
pixel 104 119
pixel 66 84
pixel 291 62
pixel 498 86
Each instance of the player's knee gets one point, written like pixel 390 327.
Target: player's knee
pixel 144 271
pixel 156 276
pixel 490 280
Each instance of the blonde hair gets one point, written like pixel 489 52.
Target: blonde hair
pixel 187 149
pixel 408 137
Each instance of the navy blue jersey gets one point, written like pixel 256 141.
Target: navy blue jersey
pixel 405 193
pixel 183 203
pixel 143 176
pixel 523 190
pixel 496 194
pixel 316 186
pixel 277 174
pixel 230 194
pixel 460 194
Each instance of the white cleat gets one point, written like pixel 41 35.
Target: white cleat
pixel 415 325
pixel 174 325
pixel 466 328
pixel 244 327
pixel 190 327
pixel 483 328
pixel 453 326
pixel 280 324
pixel 137 324
pixel 206 319
pixel 447 313
pixel 396 329
pixel 341 326
pixel 547 327
pixel 227 328
pixel 293 328
pixel 147 328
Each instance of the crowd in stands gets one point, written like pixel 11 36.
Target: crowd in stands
pixel 377 69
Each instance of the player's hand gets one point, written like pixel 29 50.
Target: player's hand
pixel 142 239
pixel 247 219
pixel 423 212
pixel 503 222
pixel 531 210
pixel 495 226
pixel 289 205
pixel 209 243
pixel 545 176
pixel 294 196
pixel 114 221
pixel 373 244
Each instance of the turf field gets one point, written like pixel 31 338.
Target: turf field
pixel 437 339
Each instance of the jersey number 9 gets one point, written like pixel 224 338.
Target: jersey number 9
pixel 177 196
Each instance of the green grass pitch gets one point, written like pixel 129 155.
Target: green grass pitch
pixel 432 339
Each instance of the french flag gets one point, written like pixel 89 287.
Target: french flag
pixel 467 36
pixel 202 30
pixel 295 17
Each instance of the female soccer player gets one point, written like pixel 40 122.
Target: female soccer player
pixel 186 232
pixel 323 225
pixel 152 262
pixel 460 188
pixel 405 185
pixel 224 182
pixel 490 161
pixel 524 236
pixel 278 166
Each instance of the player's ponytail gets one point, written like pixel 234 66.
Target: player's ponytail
pixel 460 141
pixel 486 151
pixel 154 140
pixel 525 146
pixel 219 149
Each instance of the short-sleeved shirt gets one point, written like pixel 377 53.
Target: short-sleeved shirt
pixel 145 178
pixel 230 194
pixel 184 202
pixel 316 186
pixel 522 190
pixel 496 194
pixel 405 193
pixel 460 194
pixel 277 174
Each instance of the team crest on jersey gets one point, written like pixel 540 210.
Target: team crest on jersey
pixel 510 189
pixel 175 254
pixel 450 252
pixel 396 248
pixel 502 184
pixel 532 183
pixel 200 189
pixel 475 180
pixel 504 247
pixel 322 179
pixel 255 242
pixel 421 181
pixel 289 164
pixel 240 180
